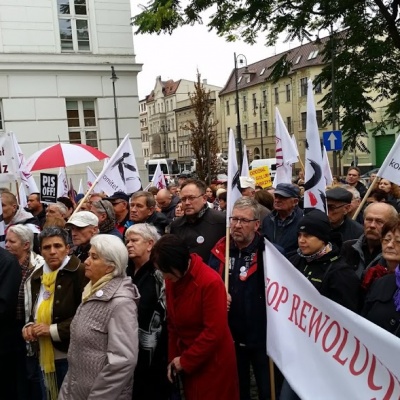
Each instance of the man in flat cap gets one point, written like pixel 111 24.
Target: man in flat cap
pixel 280 226
pixel 339 205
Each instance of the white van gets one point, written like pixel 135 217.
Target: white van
pixel 265 162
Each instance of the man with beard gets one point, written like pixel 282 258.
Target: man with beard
pixel 247 312
pixel 201 227
pixel 366 250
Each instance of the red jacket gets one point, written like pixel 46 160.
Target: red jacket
pixel 200 335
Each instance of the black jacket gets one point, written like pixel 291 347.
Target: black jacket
pixel 379 306
pixel 349 229
pixel 332 277
pixel 169 211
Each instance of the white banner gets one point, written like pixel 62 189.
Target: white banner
pixel 245 163
pixel 390 168
pixel 100 186
pixel 324 350
pixel 326 167
pixel 62 184
pixel 8 161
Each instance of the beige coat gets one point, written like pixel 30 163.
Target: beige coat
pixel 104 345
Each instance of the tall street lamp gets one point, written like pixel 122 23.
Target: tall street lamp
pixel 238 129
pixel 114 78
pixel 261 131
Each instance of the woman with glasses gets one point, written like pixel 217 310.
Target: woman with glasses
pixel 104 211
pixel 382 282
pixel 56 292
pixel 200 346
pixel 150 374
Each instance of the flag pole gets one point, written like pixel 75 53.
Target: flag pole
pixel 272 378
pixel 227 245
pixel 363 201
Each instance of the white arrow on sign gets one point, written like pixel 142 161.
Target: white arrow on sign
pixel 332 139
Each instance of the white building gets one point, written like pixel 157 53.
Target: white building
pixel 55 70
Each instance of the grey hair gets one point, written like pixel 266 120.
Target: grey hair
pixel 150 200
pixel 53 231
pixel 24 234
pixel 248 202
pixel 61 207
pixel 393 214
pixel 113 251
pixel 353 191
pixel 146 231
pixel 104 207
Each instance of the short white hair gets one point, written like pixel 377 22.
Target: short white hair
pixel 113 251
pixel 24 234
pixel 146 231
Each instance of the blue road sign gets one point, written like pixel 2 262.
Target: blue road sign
pixel 332 140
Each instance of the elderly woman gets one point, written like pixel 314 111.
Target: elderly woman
pixel 19 241
pixel 382 282
pixel 104 211
pixel 104 333
pixel 150 374
pixel 56 290
pixel 200 345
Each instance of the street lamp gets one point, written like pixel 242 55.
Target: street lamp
pixel 335 172
pixel 114 78
pixel 238 129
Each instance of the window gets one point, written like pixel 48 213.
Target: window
pixel 318 88
pixel 303 87
pixel 304 120
pixel 228 111
pixel 82 125
pixel 74 25
pixel 239 79
pixel 266 128
pixel 246 132
pixel 312 55
pixel 264 96
pixel 289 124
pixel 276 92
pixel 288 94
pixel 255 129
pixel 297 60
pixel 262 71
pixel 319 118
pixel 244 103
pixel 254 101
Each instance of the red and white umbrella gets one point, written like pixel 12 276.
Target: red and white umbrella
pixel 63 155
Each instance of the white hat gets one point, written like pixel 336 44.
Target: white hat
pixel 247 182
pixel 219 191
pixel 82 219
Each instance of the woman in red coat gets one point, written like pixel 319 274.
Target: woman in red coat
pixel 200 345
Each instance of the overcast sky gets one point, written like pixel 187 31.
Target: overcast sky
pixel 192 48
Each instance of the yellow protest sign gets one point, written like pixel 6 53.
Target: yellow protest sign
pixel 261 176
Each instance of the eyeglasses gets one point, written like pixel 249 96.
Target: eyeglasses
pixel 388 240
pixel 243 221
pixel 332 207
pixel 117 202
pixel 190 198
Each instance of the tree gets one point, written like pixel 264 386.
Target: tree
pixel 366 47
pixel 203 137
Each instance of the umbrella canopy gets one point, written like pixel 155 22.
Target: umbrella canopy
pixel 63 155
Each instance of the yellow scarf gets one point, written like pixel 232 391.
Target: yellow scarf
pixel 44 314
pixel 90 289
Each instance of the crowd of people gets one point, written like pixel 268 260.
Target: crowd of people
pixel 126 298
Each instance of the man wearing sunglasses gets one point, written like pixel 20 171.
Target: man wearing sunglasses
pixel 339 206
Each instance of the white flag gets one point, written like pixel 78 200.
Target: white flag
pixel 292 137
pixel 2 228
pixel 62 184
pixel 233 192
pixel 314 194
pixel 286 153
pixel 324 350
pixel 158 178
pixel 22 196
pixel 121 172
pixel 390 168
pixel 101 186
pixel 8 159
pixel 326 167
pixel 26 177
pixel 80 188
pixel 245 163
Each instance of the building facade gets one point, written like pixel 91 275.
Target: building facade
pixel 55 75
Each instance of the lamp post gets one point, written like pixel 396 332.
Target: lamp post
pixel 238 129
pixel 261 131
pixel 335 172
pixel 114 78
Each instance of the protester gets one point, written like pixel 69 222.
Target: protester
pixel 150 374
pixel 353 179
pixel 56 289
pixel 393 192
pixel 173 188
pixel 68 204
pixel 104 332
pixel 366 250
pixel 143 210
pixel 280 226
pixel 36 208
pixel 377 196
pixel 167 203
pixel 83 225
pixel 222 196
pixel 19 242
pixel 382 302
pixel 247 314
pixel 104 211
pixel 58 209
pixel 179 210
pixel 339 205
pixel 247 186
pixel 201 227
pixel 265 199
pixel 355 203
pixel 201 349
pixel 10 279
pixel 120 202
